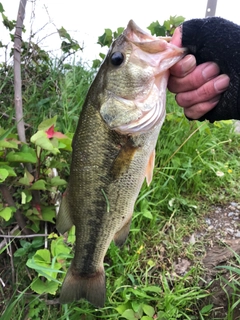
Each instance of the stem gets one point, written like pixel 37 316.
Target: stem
pixel 18 215
pixel 17 71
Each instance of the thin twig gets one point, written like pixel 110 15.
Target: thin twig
pixel 24 236
pixel 5 115
pixel 12 263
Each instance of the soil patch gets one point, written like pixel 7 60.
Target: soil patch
pixel 222 243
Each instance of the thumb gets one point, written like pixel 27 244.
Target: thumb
pixel 177 37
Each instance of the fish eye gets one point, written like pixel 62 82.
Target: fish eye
pixel 117 58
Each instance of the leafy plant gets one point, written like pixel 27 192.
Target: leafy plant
pixel 193 170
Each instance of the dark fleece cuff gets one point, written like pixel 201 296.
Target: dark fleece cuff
pixel 216 39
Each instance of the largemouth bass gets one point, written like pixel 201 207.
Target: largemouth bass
pixel 113 151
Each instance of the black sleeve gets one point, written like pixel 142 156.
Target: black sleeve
pixel 216 39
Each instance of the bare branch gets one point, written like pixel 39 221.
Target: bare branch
pixel 17 71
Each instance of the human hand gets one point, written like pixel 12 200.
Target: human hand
pixel 198 88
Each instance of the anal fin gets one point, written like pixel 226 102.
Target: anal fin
pixel 150 168
pixel 121 236
pixel 64 220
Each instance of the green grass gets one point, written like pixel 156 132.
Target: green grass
pixel 196 166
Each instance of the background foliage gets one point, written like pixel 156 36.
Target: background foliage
pixel 193 170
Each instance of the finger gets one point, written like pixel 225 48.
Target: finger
pixel 195 79
pixel 184 66
pixel 198 110
pixel 206 92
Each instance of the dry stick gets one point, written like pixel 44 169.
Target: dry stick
pixel 4 242
pixel 11 259
pixel 26 236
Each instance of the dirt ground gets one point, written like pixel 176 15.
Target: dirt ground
pixel 221 239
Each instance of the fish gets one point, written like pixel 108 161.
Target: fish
pixel 113 151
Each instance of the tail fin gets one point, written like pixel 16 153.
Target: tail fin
pixel 91 287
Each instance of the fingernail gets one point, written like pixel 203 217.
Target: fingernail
pixel 221 83
pixel 188 63
pixel 210 71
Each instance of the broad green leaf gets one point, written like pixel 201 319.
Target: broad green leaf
pixel 206 309
pixel 63 34
pixel 40 139
pixel 21 157
pixel 11 172
pixel 41 287
pixel 102 55
pixel 96 63
pixel 136 306
pixel 1 8
pixel 129 314
pixel 66 144
pixel 33 216
pixel 123 307
pixel 48 214
pixel 71 235
pixel 46 124
pixel 26 197
pixel 57 181
pixel 6 213
pixel 38 185
pixel 23 195
pixel 106 38
pixel 118 32
pixel 59 248
pixel 41 262
pixel 26 149
pixel 42 255
pixel 3 174
pixel 45 269
pixel 148 310
pixel 20 252
pixel 8 144
pixel 27 179
pixel 154 289
pixel 157 29
pixel 147 214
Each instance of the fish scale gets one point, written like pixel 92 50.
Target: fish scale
pixel 113 152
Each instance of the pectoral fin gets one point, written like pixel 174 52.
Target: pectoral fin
pixel 150 167
pixel 64 220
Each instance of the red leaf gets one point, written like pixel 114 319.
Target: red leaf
pixel 51 133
